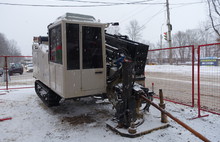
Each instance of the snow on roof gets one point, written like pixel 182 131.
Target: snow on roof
pixel 77 17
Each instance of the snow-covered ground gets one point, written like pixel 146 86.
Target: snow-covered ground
pixel 177 84
pixel 84 120
pixel 183 69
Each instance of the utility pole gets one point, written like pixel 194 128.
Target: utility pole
pixel 160 52
pixel 169 32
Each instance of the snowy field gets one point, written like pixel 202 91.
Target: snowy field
pixel 18 81
pixel 183 69
pixel 177 85
pixel 84 121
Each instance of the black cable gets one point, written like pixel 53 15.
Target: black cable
pixel 162 10
pixel 91 5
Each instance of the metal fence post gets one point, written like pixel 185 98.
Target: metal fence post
pixel 6 71
pixel 198 74
pixel 191 92
pixel 193 75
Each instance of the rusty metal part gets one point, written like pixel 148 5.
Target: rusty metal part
pixel 162 105
pixel 197 134
pixel 133 133
pixel 3 119
pixel 2 93
pixel 132 129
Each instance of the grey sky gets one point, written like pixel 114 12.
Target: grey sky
pixel 21 23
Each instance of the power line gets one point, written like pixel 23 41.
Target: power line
pixel 133 13
pixel 183 5
pixel 90 5
pixel 190 3
pixel 100 2
pixel 37 5
pixel 97 3
pixel 112 3
pixel 135 2
pixel 160 11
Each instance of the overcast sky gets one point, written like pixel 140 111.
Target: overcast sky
pixel 21 23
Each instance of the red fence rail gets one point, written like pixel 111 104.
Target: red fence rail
pixel 207 71
pixel 209 78
pixel 176 78
pixel 13 74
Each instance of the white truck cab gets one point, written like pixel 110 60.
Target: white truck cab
pixel 74 64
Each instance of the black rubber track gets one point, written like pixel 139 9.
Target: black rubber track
pixel 49 97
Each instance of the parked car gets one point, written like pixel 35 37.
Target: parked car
pixel 29 68
pixel 25 66
pixel 16 68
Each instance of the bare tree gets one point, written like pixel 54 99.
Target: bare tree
pixel 214 15
pixel 189 37
pixel 134 30
pixel 192 37
pixel 180 39
pixel 9 48
pixel 13 48
pixel 3 45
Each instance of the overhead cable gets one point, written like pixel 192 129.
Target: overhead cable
pixel 91 5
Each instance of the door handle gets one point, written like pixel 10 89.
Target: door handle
pixel 98 72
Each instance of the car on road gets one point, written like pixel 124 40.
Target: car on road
pixel 16 68
pixel 29 68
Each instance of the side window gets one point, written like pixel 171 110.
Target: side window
pixel 17 65
pixel 55 37
pixel 92 47
pixel 13 66
pixel 72 35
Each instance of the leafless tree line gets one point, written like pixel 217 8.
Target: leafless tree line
pixel 184 55
pixel 8 48
pixel 202 35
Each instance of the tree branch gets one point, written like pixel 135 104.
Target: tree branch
pixel 212 21
pixel 215 7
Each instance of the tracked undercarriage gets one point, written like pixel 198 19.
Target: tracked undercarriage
pixel 49 97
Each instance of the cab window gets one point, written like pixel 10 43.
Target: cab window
pixel 72 39
pixel 92 47
pixel 55 46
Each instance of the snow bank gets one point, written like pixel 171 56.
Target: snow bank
pixel 183 69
